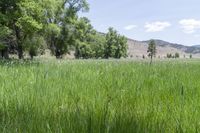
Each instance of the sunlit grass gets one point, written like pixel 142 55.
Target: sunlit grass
pixel 99 96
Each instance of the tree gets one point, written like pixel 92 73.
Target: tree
pixel 28 25
pixel 190 56
pixel 26 18
pixel 98 44
pixel 23 18
pixel 121 50
pixel 89 43
pixel 151 50
pixel 111 40
pixel 84 36
pixel 61 24
pixel 177 55
pixel 4 41
pixel 169 55
pixel 116 45
pixel 93 48
pixel 35 45
pixel 5 30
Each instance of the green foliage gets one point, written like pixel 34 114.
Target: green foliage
pixel 98 45
pixel 89 44
pixel 116 45
pixel 169 55
pixel 53 29
pixel 84 50
pixel 35 45
pixel 58 23
pixel 74 6
pixel 4 33
pixel 2 46
pixel 121 50
pixel 63 25
pixel 151 49
pixel 29 25
pixel 23 18
pixel 177 55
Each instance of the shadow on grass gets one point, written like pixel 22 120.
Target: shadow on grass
pixel 28 119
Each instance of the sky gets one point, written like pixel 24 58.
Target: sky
pixel 176 21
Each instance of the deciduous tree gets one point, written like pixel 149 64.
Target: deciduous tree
pixel 116 45
pixel 23 19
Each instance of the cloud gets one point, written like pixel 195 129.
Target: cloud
pixel 190 25
pixel 130 27
pixel 156 26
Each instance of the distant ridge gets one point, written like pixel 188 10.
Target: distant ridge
pixel 138 49
pixel 188 49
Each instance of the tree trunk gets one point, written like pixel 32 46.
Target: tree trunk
pixel 20 52
pixel 19 43
pixel 1 54
pixel 31 57
pixel 58 54
pixel 151 60
pixel 5 53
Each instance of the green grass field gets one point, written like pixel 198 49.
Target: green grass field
pixel 99 97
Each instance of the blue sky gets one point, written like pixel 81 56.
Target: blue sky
pixel 175 21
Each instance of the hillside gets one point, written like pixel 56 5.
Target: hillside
pixel 136 49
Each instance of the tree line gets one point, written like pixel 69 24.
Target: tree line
pixel 32 26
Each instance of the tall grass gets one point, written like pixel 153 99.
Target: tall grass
pixel 99 97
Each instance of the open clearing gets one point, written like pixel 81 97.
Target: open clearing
pixel 100 96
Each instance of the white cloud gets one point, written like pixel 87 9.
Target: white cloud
pixel 130 27
pixel 156 26
pixel 190 25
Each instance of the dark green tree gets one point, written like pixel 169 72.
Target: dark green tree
pixel 61 24
pixel 4 41
pixel 116 45
pixel 190 56
pixel 169 55
pixel 151 50
pixel 177 55
pixel 98 45
pixel 35 45
pixel 23 18
pixel 89 43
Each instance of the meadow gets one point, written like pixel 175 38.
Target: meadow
pixel 86 96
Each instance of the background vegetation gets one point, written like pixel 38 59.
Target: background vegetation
pixel 34 25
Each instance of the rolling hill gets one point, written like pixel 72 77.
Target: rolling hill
pixel 138 49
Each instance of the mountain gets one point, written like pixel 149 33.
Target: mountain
pixel 188 49
pixel 138 49
pixel 198 46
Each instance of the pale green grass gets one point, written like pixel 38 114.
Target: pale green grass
pixel 100 97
